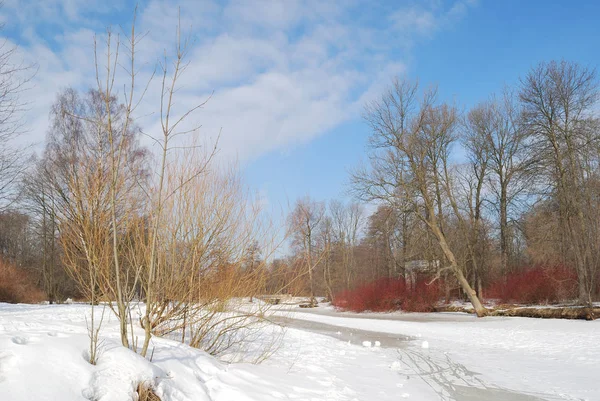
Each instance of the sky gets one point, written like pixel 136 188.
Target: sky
pixel 287 80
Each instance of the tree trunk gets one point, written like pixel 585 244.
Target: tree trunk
pixel 504 228
pixel 480 310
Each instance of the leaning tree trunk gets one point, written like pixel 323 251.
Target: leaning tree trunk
pixel 480 310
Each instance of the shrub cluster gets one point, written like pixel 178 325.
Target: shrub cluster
pixel 17 285
pixel 390 294
pixel 535 285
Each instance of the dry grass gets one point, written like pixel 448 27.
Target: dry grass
pixel 145 392
pixel 18 286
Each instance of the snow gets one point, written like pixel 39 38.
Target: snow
pixel 548 358
pixel 44 350
pixel 343 357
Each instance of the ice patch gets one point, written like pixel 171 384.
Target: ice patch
pixel 366 344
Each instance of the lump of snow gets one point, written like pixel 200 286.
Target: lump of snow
pixel 366 344
pixel 20 340
pixel 68 301
pixel 342 352
pixel 425 344
pixel 377 344
pixel 395 366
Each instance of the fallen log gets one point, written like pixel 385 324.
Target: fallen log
pixel 564 312
pixel 584 313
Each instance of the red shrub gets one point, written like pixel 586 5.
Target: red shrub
pixel 17 286
pixel 389 294
pixel 536 285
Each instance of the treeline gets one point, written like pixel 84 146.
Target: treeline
pixel 469 198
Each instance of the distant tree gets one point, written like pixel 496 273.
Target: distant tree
pixel 303 226
pixel 494 129
pixel 346 222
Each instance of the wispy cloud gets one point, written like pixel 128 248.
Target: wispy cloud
pixel 282 72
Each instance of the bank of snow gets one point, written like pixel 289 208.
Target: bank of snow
pixel 43 356
pixel 334 357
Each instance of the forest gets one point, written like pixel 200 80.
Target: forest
pixel 495 202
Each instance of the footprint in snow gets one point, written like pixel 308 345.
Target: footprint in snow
pixel 20 340
pixel 56 334
pixel 7 361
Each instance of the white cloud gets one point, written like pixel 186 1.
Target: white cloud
pixel 282 72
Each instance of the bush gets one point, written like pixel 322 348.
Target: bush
pixel 386 294
pixel 17 286
pixel 537 285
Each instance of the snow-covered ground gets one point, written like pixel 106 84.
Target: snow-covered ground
pixel 538 358
pixel 324 355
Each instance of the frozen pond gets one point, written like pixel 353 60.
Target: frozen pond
pixel 450 377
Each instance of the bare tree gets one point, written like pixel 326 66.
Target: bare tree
pixel 325 241
pixel 411 142
pixel 39 201
pixel 558 100
pixel 92 202
pixel 347 220
pixel 171 122
pixel 477 171
pixel 496 127
pixel 15 78
pixel 303 225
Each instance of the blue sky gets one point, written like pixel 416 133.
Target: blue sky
pixel 494 44
pixel 290 77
